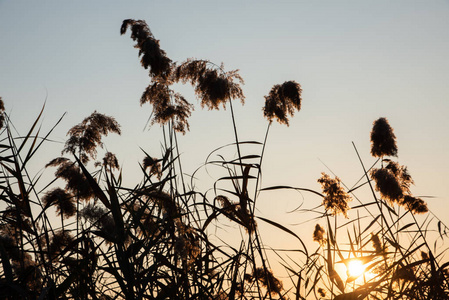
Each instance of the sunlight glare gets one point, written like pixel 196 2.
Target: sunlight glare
pixel 355 268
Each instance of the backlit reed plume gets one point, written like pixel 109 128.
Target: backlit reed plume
pixel 387 184
pixel 267 280
pixel 213 86
pixel 154 165
pixel 109 161
pixel 401 173
pixel 235 212
pixel 282 101
pixel 76 182
pixel 86 136
pixel 335 199
pixel 383 140
pixel 63 200
pixel 404 273
pixel 414 204
pixel 167 106
pixel 393 183
pixel 152 56
pixel 22 263
pixel 319 235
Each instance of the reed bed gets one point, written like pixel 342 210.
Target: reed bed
pixel 88 236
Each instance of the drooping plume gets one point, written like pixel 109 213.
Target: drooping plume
pixel 393 183
pixel 152 56
pixel 213 86
pixel 86 136
pixel 282 101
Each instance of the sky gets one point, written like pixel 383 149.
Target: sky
pixel 355 60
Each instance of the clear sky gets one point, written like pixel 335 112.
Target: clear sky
pixel 356 61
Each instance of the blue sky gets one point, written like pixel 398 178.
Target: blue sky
pixel 356 61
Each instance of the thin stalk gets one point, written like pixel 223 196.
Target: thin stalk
pixel 259 174
pixel 235 135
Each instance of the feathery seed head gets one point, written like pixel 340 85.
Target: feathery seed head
pixel 387 184
pixel 282 101
pixel 383 140
pixel 63 200
pixel 152 56
pixel 86 136
pixel 319 235
pixel 335 199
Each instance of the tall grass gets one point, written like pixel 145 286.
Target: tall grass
pixel 88 236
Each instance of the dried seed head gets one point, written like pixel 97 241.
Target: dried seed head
pixel 335 199
pixel 213 86
pixel 387 184
pixel 154 165
pixel 377 244
pixel 424 255
pixel 86 136
pixel 63 200
pixel 77 183
pixel 167 106
pixel 152 56
pixel 110 161
pixel 383 140
pixel 414 204
pixel 404 273
pixel 319 235
pixel 268 280
pixel 282 101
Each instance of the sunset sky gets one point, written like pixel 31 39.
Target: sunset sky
pixel 355 60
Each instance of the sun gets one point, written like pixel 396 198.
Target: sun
pixel 355 268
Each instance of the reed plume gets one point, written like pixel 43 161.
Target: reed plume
pixel 283 100
pixel 335 199
pixel 383 140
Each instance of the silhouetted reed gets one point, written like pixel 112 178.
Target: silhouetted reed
pixel 319 235
pixel 152 56
pixel 161 238
pixel 76 181
pixel 383 140
pixel 64 202
pixel 282 101
pixel 335 199
pixel 85 137
pixel 212 85
pixel 154 165
pixel 393 182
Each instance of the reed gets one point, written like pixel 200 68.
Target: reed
pixel 95 238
